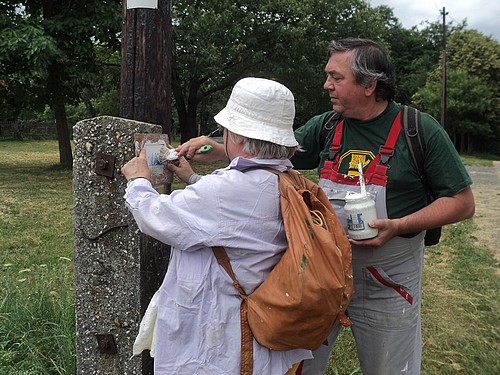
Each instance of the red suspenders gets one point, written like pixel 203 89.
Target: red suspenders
pixel 377 170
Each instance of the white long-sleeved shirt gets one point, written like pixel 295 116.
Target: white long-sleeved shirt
pixel 198 324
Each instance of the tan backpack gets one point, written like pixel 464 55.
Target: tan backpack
pixel 308 290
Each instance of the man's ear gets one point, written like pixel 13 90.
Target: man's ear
pixel 369 90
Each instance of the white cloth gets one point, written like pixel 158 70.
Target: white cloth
pixel 146 338
pixel 198 323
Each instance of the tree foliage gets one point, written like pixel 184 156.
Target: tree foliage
pixel 218 42
pixel 479 55
pixel 47 55
pixel 472 109
pixel 468 102
pixel 65 56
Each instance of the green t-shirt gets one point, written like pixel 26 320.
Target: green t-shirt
pixel 361 140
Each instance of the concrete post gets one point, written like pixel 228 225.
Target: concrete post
pixel 117 269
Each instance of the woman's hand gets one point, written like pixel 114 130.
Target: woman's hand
pixel 183 170
pixel 137 167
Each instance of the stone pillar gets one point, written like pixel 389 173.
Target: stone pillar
pixel 117 269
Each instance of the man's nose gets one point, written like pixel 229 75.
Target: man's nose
pixel 328 85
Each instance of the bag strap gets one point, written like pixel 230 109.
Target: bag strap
pixel 410 122
pixel 328 127
pixel 223 259
pixel 246 334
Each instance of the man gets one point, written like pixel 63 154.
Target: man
pixel 198 324
pixel 385 308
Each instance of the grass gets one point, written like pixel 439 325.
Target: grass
pixel 37 331
pixel 460 311
pixel 461 330
pixel 485 160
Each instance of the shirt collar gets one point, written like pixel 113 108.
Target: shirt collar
pixel 239 163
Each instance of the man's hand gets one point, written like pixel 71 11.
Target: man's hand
pixel 443 211
pixel 387 229
pixel 137 167
pixel 188 149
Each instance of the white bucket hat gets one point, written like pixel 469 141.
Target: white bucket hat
pixel 261 109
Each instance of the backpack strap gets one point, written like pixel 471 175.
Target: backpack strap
pixel 410 122
pixel 223 259
pixel 246 334
pixel 328 127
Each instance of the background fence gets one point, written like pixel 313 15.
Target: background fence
pixel 20 130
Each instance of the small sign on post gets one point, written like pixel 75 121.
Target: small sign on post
pixel 149 4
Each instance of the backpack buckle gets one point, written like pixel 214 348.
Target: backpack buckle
pixel 385 154
pixel 334 150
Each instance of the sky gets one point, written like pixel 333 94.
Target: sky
pixel 482 15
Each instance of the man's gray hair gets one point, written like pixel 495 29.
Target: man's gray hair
pixel 369 63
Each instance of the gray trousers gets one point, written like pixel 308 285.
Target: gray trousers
pixel 384 310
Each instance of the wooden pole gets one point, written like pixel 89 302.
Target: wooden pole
pixel 443 72
pixel 145 96
pixel 146 65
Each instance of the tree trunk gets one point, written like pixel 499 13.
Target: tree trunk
pixel 187 119
pixel 89 106
pixel 454 135
pixel 180 106
pixel 470 144
pixel 462 143
pixel 56 100
pixel 189 129
pixel 63 137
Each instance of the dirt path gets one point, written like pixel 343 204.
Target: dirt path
pixel 486 190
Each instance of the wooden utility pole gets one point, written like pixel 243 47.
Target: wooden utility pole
pixel 443 71
pixel 145 96
pixel 146 64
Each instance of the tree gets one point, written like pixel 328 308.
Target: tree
pixel 468 104
pixel 413 56
pixel 414 53
pixel 216 42
pixel 479 56
pixel 47 51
